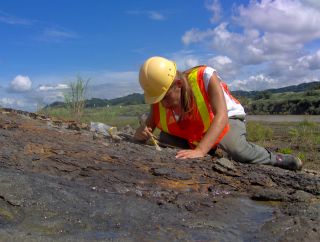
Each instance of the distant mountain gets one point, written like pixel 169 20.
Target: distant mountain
pixel 135 98
pixel 295 88
pixel 298 99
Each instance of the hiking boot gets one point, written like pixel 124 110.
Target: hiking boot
pixel 288 162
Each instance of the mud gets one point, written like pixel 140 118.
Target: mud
pixel 61 182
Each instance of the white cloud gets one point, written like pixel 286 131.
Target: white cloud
pixel 44 98
pixel 290 18
pixel 7 101
pixel 21 84
pixel 312 3
pixel 52 87
pixel 257 82
pixel 102 84
pixel 103 87
pixel 185 60
pixel 225 67
pixel 15 103
pixel 244 48
pixel 267 42
pixel 214 7
pixel 311 62
pixel 195 35
pixel 10 19
pixel 56 35
pixel 151 14
pixel 155 15
pixel 110 84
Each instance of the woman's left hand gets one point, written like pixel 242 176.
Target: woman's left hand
pixel 185 154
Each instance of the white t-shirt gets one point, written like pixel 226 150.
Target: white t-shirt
pixel 233 107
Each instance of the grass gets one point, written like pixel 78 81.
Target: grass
pixel 258 132
pixel 113 115
pixel 298 138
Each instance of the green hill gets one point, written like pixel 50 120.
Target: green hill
pixel 298 99
pixel 132 99
pixel 295 88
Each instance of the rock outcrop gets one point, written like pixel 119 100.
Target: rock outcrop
pixel 59 181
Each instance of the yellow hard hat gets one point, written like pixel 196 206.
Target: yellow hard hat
pixel 155 77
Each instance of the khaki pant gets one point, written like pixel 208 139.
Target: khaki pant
pixel 234 143
pixel 239 149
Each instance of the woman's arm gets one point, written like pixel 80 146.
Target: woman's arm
pixel 144 132
pixel 220 120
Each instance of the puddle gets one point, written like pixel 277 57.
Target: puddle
pixel 238 219
pixel 234 219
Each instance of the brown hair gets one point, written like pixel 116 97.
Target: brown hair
pixel 187 97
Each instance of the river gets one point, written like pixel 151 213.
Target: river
pixel 284 118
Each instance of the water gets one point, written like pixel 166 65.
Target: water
pixel 284 118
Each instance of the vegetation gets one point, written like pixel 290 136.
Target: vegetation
pixel 286 103
pixel 75 98
pixel 258 132
pixel 299 138
pixel 113 115
pixel 300 99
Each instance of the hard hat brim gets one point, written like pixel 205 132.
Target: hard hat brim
pixel 152 100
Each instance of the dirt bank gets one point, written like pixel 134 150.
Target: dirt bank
pixel 59 181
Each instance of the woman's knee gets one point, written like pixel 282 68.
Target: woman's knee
pixel 237 150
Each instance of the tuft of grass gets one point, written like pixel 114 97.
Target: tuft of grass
pixel 307 123
pixel 76 96
pixel 305 137
pixel 302 156
pixel 258 132
pixel 286 151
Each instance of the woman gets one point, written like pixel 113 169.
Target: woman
pixel 196 111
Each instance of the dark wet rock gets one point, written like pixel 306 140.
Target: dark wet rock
pixel 302 223
pixel 60 184
pixel 225 163
pixel 269 195
pixel 302 196
pixel 225 166
pixel 261 180
pixel 170 173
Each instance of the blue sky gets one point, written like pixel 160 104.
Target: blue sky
pixel 254 45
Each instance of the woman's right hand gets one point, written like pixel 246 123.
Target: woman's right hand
pixel 143 133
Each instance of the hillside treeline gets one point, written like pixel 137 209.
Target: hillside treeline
pixel 296 106
pixel 299 99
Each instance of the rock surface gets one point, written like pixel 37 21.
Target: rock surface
pixel 61 182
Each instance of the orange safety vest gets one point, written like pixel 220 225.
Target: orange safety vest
pixel 194 126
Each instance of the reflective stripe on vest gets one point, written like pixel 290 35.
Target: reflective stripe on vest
pixel 163 118
pixel 201 104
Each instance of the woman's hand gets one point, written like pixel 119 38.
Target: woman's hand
pixel 185 154
pixel 143 133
